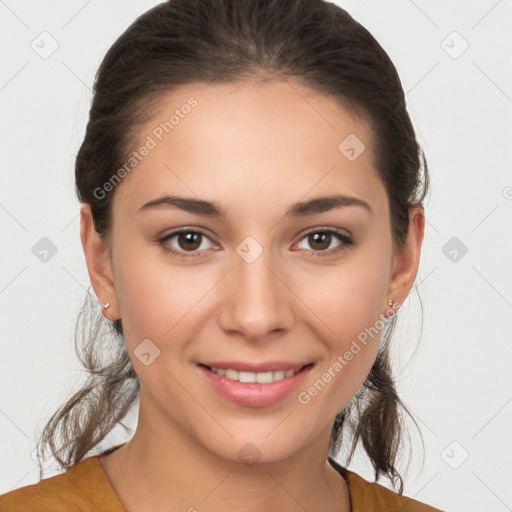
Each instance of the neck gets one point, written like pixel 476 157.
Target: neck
pixel 168 470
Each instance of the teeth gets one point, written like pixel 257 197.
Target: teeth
pixel 260 377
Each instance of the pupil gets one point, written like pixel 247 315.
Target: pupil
pixel 185 239
pixel 321 237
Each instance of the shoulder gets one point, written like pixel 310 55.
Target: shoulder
pixel 51 494
pixel 75 490
pixel 371 496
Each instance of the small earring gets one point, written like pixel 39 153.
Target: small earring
pixel 390 302
pixel 105 306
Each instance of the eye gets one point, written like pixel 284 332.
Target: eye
pixel 186 241
pixel 322 242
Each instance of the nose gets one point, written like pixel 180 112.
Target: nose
pixel 257 299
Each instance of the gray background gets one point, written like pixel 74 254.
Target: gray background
pixel 455 379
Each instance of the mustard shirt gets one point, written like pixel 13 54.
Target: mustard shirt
pixel 85 487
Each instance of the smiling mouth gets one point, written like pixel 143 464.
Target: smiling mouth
pixel 255 377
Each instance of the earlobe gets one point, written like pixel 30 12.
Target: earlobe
pixel 407 258
pixel 97 257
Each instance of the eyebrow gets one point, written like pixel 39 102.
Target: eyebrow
pixel 300 209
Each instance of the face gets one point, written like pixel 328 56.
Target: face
pixel 250 266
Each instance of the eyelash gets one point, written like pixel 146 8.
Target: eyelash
pixel 346 242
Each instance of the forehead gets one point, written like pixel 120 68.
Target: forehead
pixel 257 140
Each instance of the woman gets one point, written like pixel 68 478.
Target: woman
pixel 252 220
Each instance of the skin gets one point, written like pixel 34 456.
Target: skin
pixel 255 148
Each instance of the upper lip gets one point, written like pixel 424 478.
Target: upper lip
pixel 269 366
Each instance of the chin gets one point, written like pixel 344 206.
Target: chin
pixel 259 448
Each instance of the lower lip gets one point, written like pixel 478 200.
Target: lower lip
pixel 254 394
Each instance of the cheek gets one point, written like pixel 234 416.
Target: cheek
pixel 158 300
pixel 347 298
pixel 352 342
pixel 347 302
pixel 151 294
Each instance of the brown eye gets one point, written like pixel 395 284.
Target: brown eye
pixel 323 242
pixel 320 241
pixel 185 242
pixel 189 241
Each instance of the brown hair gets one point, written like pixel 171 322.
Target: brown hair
pixel 181 42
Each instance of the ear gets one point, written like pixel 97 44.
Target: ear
pixel 97 256
pixel 407 260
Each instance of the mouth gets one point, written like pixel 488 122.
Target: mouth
pixel 260 377
pixel 254 388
